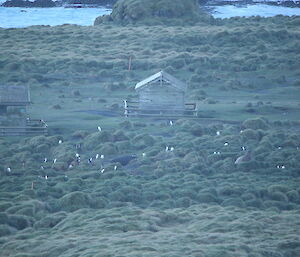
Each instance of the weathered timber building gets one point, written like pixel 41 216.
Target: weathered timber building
pixel 14 120
pixel 13 103
pixel 161 91
pixel 160 94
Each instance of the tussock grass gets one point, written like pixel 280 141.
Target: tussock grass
pixel 191 201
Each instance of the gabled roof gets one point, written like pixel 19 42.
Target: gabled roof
pixel 14 95
pixel 162 75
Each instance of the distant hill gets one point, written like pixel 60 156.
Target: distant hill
pixel 287 3
pixel 145 11
pixel 50 3
pixel 88 3
pixel 21 3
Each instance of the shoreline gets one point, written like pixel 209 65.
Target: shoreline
pixel 16 17
pixel 290 4
pixel 202 3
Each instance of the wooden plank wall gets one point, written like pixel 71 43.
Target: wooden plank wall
pixel 14 95
pixel 157 96
pixel 22 131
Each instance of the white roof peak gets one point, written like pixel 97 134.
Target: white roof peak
pixel 164 76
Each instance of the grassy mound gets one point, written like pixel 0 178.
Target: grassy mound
pixel 74 201
pixel 154 12
pixel 255 124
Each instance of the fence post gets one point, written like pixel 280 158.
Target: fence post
pixel 129 63
pixel 125 108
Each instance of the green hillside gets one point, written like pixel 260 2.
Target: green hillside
pixel 191 201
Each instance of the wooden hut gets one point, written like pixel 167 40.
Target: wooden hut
pixel 13 96
pixel 13 114
pixel 160 94
pixel 161 91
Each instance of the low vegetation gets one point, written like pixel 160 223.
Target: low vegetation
pixel 130 194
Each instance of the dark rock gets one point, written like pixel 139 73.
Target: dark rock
pixel 83 3
pixel 56 107
pixel 37 3
pixel 125 159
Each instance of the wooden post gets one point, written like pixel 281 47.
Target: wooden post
pixel 32 185
pixel 125 108
pixel 129 63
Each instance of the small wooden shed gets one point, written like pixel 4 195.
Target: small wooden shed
pixel 13 96
pixel 160 95
pixel 161 91
pixel 14 120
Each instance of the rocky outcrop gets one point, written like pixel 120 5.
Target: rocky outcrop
pixel 286 3
pixel 139 11
pixel 91 2
pixel 37 3
pixel 50 3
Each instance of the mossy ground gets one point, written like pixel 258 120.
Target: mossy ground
pixel 192 201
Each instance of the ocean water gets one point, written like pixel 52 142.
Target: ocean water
pixel 263 10
pixel 23 17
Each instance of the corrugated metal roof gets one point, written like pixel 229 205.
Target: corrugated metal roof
pixel 165 77
pixel 14 95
